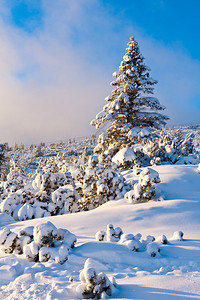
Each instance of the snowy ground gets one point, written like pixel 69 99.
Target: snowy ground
pixel 173 274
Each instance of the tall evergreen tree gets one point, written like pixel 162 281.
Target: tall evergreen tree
pixel 128 107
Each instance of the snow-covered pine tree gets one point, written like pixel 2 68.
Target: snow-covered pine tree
pixel 128 107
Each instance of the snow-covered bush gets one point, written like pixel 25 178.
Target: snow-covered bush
pixel 111 235
pixel 22 207
pixel 8 240
pixel 42 242
pixel 98 183
pixel 4 161
pixel 48 181
pixel 45 234
pixel 100 235
pixel 131 242
pixel 162 239
pixel 153 249
pixel 144 190
pixel 94 285
pixel 42 195
pixel 172 146
pixel 178 235
pixel 66 198
pixel 49 243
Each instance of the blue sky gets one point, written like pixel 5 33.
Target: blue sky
pixel 58 58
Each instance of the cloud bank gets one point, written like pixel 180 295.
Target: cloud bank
pixel 54 80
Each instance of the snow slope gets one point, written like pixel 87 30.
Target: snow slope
pixel 173 274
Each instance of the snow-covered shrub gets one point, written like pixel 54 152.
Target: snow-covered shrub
pixel 144 190
pixel 66 236
pixel 111 235
pixel 93 284
pixel 49 243
pixel 97 184
pixel 45 234
pixel 21 242
pixel 172 146
pixel 66 199
pixel 11 205
pixel 4 161
pixel 49 181
pixel 11 242
pixel 59 255
pixel 155 161
pixel 162 239
pixel 8 240
pixel 177 235
pixel 150 239
pixel 131 242
pixel 42 242
pixel 100 235
pixel 31 251
pixel 133 245
pixel 27 231
pixel 153 249
pixel 22 208
pixel 36 198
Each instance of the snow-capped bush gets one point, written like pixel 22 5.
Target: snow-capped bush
pixel 153 249
pixel 172 146
pixel 66 199
pixel 162 239
pixel 45 234
pixel 21 208
pixel 43 242
pixel 144 190
pixel 48 181
pixel 100 235
pixel 111 235
pixel 177 235
pixel 93 284
pixel 66 236
pixel 97 184
pixel 150 239
pixel 131 242
pixel 133 245
pixel 49 243
pixel 7 240
pixel 31 251
pixel 39 197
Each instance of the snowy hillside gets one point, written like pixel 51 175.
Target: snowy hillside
pixel 174 273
